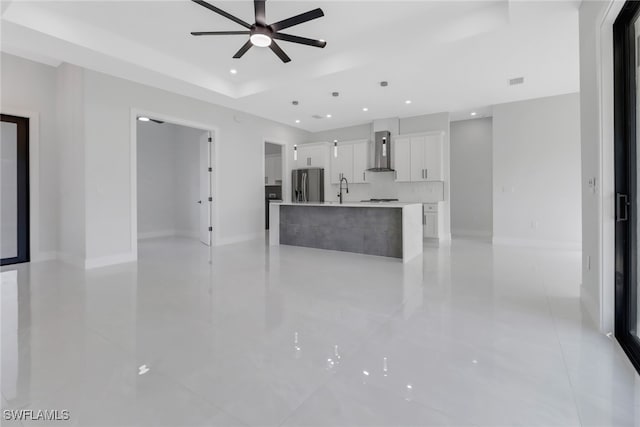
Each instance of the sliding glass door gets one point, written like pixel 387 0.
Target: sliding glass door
pixel 627 158
pixel 14 189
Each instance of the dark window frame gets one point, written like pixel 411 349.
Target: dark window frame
pixel 24 249
pixel 624 51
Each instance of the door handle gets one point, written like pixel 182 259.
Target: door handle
pixel 622 207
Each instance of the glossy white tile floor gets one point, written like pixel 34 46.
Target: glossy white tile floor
pixel 468 335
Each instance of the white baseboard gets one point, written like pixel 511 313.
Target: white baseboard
pixel 168 233
pixel 187 233
pixel 70 259
pixel 110 260
pixel 156 234
pixel 240 238
pixel 44 256
pixel 472 233
pixel 544 244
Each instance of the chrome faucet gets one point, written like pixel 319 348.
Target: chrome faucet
pixel 347 187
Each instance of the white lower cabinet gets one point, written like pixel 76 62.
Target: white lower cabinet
pixel 432 220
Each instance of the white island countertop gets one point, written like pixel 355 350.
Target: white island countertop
pixel 350 204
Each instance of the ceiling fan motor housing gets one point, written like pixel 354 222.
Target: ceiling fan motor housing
pixel 264 30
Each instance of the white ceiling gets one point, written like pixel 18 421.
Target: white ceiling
pixel 442 55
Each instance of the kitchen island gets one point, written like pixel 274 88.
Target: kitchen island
pixel 383 229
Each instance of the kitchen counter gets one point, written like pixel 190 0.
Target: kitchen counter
pixel 392 229
pixel 352 204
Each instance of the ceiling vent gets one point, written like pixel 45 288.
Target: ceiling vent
pixel 516 81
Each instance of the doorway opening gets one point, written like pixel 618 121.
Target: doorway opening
pixel 174 175
pixel 273 175
pixel 14 193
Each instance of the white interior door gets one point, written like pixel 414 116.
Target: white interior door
pixel 206 203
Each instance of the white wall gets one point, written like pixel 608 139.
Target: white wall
pixel 72 163
pixel 29 86
pixel 472 178
pixel 239 157
pixel 536 178
pixel 350 133
pixel 156 179
pixel 596 113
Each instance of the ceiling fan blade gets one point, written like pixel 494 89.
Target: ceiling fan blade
pixel 219 33
pixel 296 20
pixel 278 51
pixel 222 12
pixel 245 47
pixel 299 40
pixel 260 13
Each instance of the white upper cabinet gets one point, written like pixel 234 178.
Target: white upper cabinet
pixel 350 163
pixel 433 170
pixel 360 162
pixel 419 158
pixel 342 164
pixel 310 156
pixel 402 157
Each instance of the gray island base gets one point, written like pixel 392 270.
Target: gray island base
pixel 389 229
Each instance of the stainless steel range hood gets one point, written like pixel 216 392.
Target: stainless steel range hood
pixel 382 152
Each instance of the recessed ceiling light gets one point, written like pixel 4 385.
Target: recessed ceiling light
pixel 328 116
pixel 473 113
pixel 297 121
pixel 408 101
pixel 233 71
pixel 365 109
pixel 143 119
pixel 335 140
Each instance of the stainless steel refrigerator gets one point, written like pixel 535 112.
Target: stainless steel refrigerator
pixel 307 185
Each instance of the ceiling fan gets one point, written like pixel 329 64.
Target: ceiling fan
pixel 262 34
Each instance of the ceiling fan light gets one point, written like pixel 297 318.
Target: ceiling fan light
pixel 260 40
